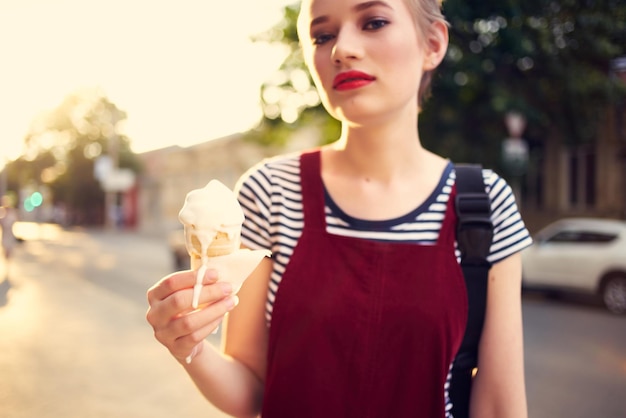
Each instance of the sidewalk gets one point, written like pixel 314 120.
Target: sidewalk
pixel 73 334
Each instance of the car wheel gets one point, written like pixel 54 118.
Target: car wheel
pixel 614 294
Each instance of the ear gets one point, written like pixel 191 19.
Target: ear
pixel 436 45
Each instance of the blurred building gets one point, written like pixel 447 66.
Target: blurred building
pixel 585 180
pixel 581 180
pixel 169 173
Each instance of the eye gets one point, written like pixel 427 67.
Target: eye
pixel 321 39
pixel 375 24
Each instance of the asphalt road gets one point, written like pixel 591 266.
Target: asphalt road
pixel 74 341
pixel 575 358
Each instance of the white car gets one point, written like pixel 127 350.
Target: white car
pixel 582 255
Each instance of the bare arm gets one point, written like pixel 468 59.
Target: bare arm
pixel 499 388
pixel 231 380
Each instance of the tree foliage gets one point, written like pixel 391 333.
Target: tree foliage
pixel 549 60
pixel 289 99
pixel 61 148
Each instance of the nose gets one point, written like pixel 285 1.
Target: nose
pixel 347 46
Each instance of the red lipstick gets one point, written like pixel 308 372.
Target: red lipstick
pixel 352 80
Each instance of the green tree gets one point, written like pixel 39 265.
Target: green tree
pixel 289 99
pixel 61 148
pixel 548 59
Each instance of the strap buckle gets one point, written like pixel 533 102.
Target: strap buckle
pixel 474 227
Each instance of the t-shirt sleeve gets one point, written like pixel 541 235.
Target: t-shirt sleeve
pixel 510 234
pixel 254 195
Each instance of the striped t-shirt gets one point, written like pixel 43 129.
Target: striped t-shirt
pixel 271 198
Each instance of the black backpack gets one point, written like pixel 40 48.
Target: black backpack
pixel 474 236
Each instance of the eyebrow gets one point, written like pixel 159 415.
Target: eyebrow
pixel 358 8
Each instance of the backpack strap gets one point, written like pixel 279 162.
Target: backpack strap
pixel 474 237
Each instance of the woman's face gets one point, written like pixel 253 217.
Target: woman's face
pixel 366 57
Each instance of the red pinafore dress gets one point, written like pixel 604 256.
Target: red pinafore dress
pixel 362 328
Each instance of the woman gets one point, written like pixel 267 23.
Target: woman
pixel 362 307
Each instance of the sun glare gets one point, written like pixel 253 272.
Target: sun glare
pixel 184 72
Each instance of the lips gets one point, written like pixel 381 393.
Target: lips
pixel 351 80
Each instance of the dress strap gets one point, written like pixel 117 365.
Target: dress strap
pixel 447 234
pixel 313 204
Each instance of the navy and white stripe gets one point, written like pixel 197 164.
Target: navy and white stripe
pixel 271 198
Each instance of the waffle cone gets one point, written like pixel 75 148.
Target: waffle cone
pixel 221 245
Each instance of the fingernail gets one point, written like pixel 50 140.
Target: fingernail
pixel 226 287
pixel 232 302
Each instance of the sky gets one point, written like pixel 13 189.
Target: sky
pixel 184 71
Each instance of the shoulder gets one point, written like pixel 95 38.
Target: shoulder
pixel 490 177
pixel 271 171
pixel 510 232
pixel 270 177
pixel 268 193
pixel 495 186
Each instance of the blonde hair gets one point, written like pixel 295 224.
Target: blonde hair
pixel 425 13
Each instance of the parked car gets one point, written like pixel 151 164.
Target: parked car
pixel 580 255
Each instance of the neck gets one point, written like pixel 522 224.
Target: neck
pixel 381 152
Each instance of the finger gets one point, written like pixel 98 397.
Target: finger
pixel 190 343
pixel 197 324
pixel 213 292
pixel 168 285
pixel 182 335
pixel 177 281
pixel 177 299
pixel 181 349
pixel 180 303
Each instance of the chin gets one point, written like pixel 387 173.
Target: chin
pixel 354 109
pixel 360 116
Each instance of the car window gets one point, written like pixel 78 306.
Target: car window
pixel 599 237
pixel 565 237
pixel 577 237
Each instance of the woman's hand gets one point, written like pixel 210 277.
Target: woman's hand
pixel 179 327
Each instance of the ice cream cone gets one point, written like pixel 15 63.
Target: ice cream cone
pixel 212 219
pixel 221 245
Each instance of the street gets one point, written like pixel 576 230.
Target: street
pixel 73 334
pixel 575 358
pixel 74 341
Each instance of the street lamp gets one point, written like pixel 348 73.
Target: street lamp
pixel 515 150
